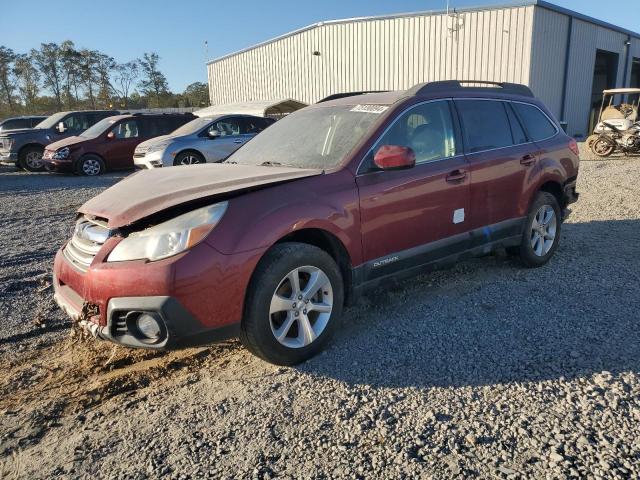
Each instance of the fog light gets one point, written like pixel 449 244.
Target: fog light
pixel 149 326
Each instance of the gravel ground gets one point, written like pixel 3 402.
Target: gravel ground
pixel 484 370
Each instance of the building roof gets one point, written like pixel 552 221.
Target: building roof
pixel 508 4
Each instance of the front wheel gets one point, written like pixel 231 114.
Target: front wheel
pixel 541 234
pixel 90 165
pixel 189 158
pixel 31 159
pixel 293 304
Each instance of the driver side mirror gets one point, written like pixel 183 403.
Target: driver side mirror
pixel 111 135
pixel 394 157
pixel 60 127
pixel 214 134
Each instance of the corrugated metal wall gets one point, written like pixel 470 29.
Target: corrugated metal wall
pixel 550 35
pixel 379 54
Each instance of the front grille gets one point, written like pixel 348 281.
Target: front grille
pixel 88 237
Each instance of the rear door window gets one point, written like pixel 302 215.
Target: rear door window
pixel 485 125
pixel 254 125
pixel 537 123
pixel 13 124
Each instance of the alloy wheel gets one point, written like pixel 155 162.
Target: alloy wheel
pixel 91 167
pixel 34 160
pixel 543 230
pixel 301 307
pixel 190 160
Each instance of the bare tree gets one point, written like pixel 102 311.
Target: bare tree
pixel 48 59
pixel 27 79
pixel 105 66
pixel 125 76
pixel 70 59
pixel 7 81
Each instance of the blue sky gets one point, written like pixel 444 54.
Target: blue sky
pixel 177 30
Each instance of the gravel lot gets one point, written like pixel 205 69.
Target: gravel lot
pixel 485 370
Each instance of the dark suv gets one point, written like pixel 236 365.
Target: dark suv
pixel 24 147
pixel 330 201
pixel 110 143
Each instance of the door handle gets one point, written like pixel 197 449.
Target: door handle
pixel 528 160
pixel 238 141
pixel 456 176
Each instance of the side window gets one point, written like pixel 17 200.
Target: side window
pixel 254 125
pixel 427 129
pixel 12 124
pixel 227 127
pixel 519 137
pixel 77 122
pixel 536 122
pixel 485 124
pixel 126 129
pixel 154 126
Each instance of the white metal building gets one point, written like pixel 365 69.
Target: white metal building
pixel 565 57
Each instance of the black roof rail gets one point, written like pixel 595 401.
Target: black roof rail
pixel 336 96
pixel 448 85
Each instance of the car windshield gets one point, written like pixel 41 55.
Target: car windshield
pixel 193 126
pixel 99 128
pixel 51 121
pixel 317 137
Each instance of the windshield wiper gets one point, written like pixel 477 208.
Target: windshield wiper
pixel 270 164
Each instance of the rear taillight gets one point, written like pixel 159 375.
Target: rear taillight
pixel 573 146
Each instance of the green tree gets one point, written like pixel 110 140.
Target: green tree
pixel 124 78
pixel 153 83
pixel 197 94
pixel 49 60
pixel 27 79
pixel 7 81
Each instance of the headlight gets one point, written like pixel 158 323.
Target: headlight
pixel 61 154
pixel 171 237
pixel 157 146
pixel 8 143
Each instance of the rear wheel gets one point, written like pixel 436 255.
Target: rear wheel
pixel 30 159
pixel 541 234
pixel 90 165
pixel 293 304
pixel 188 158
pixel 602 147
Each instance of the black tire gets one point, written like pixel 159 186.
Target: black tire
pixel 90 166
pixel 257 325
pixel 525 250
pixel 189 157
pixel 26 159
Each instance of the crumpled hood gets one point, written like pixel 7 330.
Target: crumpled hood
pixel 151 191
pixel 66 142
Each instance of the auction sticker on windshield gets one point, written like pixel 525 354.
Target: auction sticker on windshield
pixel 370 108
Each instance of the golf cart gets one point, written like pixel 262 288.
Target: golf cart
pixel 622 116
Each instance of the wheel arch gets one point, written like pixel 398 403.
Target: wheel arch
pixel 29 145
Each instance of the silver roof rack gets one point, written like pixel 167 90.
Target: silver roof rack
pixel 470 86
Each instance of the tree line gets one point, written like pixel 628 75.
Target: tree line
pixel 61 76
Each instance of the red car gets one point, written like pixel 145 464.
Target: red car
pixel 330 201
pixel 110 143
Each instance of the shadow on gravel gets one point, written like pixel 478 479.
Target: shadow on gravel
pixel 15 181
pixel 490 321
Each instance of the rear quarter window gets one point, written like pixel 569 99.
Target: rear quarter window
pixel 537 123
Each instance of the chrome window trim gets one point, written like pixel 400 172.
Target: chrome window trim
pixel 381 136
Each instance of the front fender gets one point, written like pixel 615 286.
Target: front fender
pixel 259 219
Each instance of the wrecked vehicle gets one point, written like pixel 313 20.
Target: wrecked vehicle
pixel 332 200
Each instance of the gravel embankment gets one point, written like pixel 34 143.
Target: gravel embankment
pixel 485 370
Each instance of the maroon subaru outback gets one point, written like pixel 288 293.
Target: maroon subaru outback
pixel 334 199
